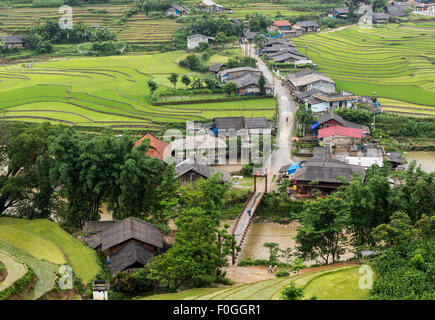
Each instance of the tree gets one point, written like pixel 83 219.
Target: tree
pixel 202 47
pixel 200 247
pixel 220 39
pixel 321 233
pixel 291 292
pixel 197 83
pixel 260 41
pixel 173 78
pixel 152 86
pixel 211 81
pixel 398 231
pixel 24 180
pixel 261 83
pixel 369 204
pixel 185 80
pixel 230 88
pixel 379 5
pixel 273 251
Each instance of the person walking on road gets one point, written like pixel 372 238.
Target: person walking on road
pixel 270 269
pixel 274 269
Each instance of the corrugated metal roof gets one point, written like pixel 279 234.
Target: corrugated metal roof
pixel 341 131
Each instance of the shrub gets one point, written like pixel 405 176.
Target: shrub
pixel 282 273
pixel 291 292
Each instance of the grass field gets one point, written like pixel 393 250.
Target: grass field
pixel 16 270
pixel 342 280
pixel 42 233
pixel 44 270
pixel 395 61
pixel 107 91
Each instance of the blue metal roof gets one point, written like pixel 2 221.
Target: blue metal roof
pixel 314 126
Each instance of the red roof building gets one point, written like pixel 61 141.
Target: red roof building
pixel 341 131
pixel 281 23
pixel 157 147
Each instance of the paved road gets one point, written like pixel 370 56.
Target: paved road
pixel 286 108
pixel 281 156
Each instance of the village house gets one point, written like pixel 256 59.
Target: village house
pixel 216 68
pixel 289 55
pixel 395 158
pixel 230 74
pixel 247 85
pixel 325 171
pixel 379 18
pixel 339 136
pixel 195 39
pixel 249 36
pixel 13 41
pixel 340 13
pixel 128 244
pixel 204 148
pixel 307 26
pixel 189 171
pixel 331 119
pixel 280 25
pixel 308 79
pixel 276 45
pixel 208 6
pixel 157 147
pixel 177 10
pixel 395 11
pixel 323 102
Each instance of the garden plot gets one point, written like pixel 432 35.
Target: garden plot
pixel 394 61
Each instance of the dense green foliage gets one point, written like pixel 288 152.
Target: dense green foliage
pixel 112 169
pixel 200 248
pixel 392 125
pixel 406 272
pixel 291 292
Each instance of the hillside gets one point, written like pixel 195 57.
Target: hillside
pixel 395 61
pixel 335 283
pixel 108 91
pixel 45 246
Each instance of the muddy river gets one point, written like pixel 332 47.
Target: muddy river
pixel 284 235
pixel 424 158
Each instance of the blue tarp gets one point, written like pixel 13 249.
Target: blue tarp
pixel 215 130
pixel 314 126
pixel 293 168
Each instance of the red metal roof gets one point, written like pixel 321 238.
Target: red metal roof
pixel 157 146
pixel 281 23
pixel 341 131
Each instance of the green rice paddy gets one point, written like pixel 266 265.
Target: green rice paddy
pixel 45 241
pixel 395 61
pixel 327 284
pixel 107 91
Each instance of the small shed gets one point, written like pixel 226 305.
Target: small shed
pixel 100 289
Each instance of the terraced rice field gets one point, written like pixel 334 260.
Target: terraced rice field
pixel 17 20
pixel 44 270
pixel 16 270
pixel 31 236
pixel 343 279
pixel 107 91
pixel 395 61
pixel 141 29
